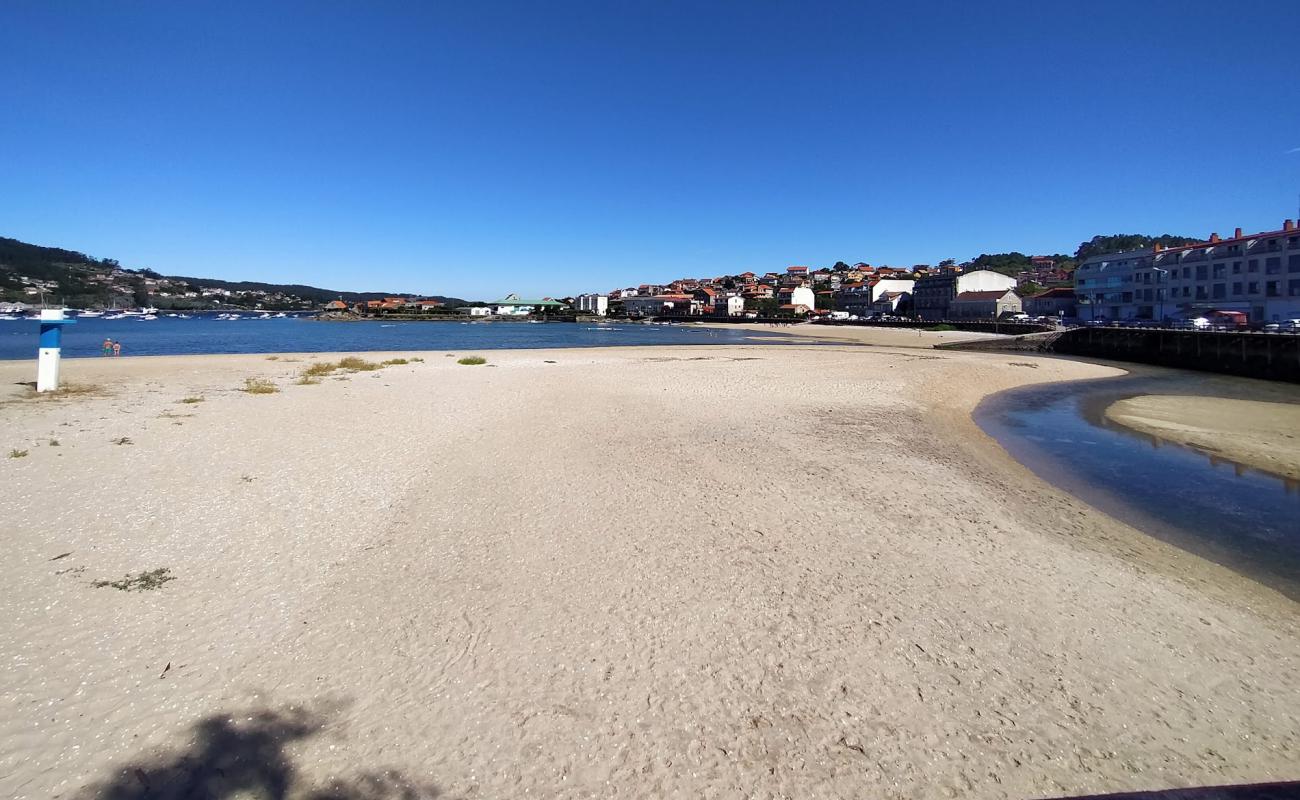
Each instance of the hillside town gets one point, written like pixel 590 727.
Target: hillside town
pixel 1236 282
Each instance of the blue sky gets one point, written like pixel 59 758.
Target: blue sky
pixel 476 148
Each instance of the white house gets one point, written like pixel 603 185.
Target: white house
pixel 474 311
pixel 885 285
pixel 732 306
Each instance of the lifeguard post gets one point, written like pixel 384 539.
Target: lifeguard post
pixel 48 354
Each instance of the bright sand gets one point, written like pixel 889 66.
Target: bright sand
pixel 768 571
pixel 1262 435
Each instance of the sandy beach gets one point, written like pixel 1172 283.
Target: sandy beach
pixel 1262 435
pixel 768 571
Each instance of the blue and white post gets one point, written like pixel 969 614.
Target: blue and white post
pixel 47 357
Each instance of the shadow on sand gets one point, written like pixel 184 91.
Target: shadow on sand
pixel 243 755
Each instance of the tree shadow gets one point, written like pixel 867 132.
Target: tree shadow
pixel 243 755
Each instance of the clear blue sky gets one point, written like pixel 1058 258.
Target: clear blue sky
pixel 476 148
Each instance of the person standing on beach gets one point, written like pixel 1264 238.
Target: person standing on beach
pixel 117 348
pixel 107 347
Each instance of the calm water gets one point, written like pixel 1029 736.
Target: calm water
pixel 201 335
pixel 1239 517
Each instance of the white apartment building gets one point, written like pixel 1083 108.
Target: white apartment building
pixel 1257 274
pixel 592 304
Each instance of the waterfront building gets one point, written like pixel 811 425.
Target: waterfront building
pixel 676 304
pixel 515 306
pixel 474 311
pixel 932 295
pixel 1057 302
pixel 1255 274
pixel 985 305
pixel 729 306
pixel 592 304
pixel 797 296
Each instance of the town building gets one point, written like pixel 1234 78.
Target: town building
pixel 985 305
pixel 1057 302
pixel 729 306
pixel 661 304
pixel 515 306
pixel 1255 274
pixel 797 296
pixel 592 304
pixel 933 294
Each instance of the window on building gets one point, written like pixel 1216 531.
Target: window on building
pixel 1219 270
pixel 1252 265
pixel 1293 263
pixel 1219 291
pixel 1201 272
pixel 1200 293
pixel 1252 287
pixel 1236 268
pixel 1272 266
pixel 1293 287
pixel 1187 272
pixel 1236 288
pixel 1273 289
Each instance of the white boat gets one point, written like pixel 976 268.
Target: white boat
pixel 281 315
pixel 86 314
pixel 7 317
pixel 116 316
pixel 148 317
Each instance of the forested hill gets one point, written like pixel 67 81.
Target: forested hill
pixel 28 271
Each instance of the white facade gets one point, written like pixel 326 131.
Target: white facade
pixel 475 311
pixel 803 296
pixel 891 285
pixel 984 280
pixel 593 303
pixel 732 306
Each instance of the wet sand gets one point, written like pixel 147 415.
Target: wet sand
pixel 716 571
pixel 1265 436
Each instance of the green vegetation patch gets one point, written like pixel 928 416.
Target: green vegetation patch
pixel 394 362
pixel 471 361
pixel 190 400
pixel 16 453
pixel 944 327
pixel 144 582
pixel 260 386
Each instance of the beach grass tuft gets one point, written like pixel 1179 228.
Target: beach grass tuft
pixel 394 362
pixel 143 582
pixel 272 358
pixel 317 370
pixel 123 440
pixel 16 453
pixel 357 364
pixel 417 360
pixel 190 400
pixel 259 386
pixel 471 361
pixel 306 380
pixel 55 443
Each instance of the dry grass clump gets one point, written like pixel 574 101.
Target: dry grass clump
pixel 317 370
pixel 471 361
pixel 260 386
pixel 190 400
pixel 357 364
pixel 394 362
pixel 417 360
pixel 16 453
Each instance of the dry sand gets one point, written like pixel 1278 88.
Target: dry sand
pixel 768 571
pixel 1262 435
pixel 860 334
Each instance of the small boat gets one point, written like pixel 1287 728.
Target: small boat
pixel 281 315
pixel 8 317
pixel 115 316
pixel 88 314
pixel 147 317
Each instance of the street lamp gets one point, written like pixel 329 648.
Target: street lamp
pixel 1160 294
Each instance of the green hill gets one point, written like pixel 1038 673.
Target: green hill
pixel 29 272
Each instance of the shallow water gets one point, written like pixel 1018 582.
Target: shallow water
pixel 1237 516
pixel 206 334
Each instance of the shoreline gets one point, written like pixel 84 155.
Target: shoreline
pixel 689 569
pixel 1215 426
